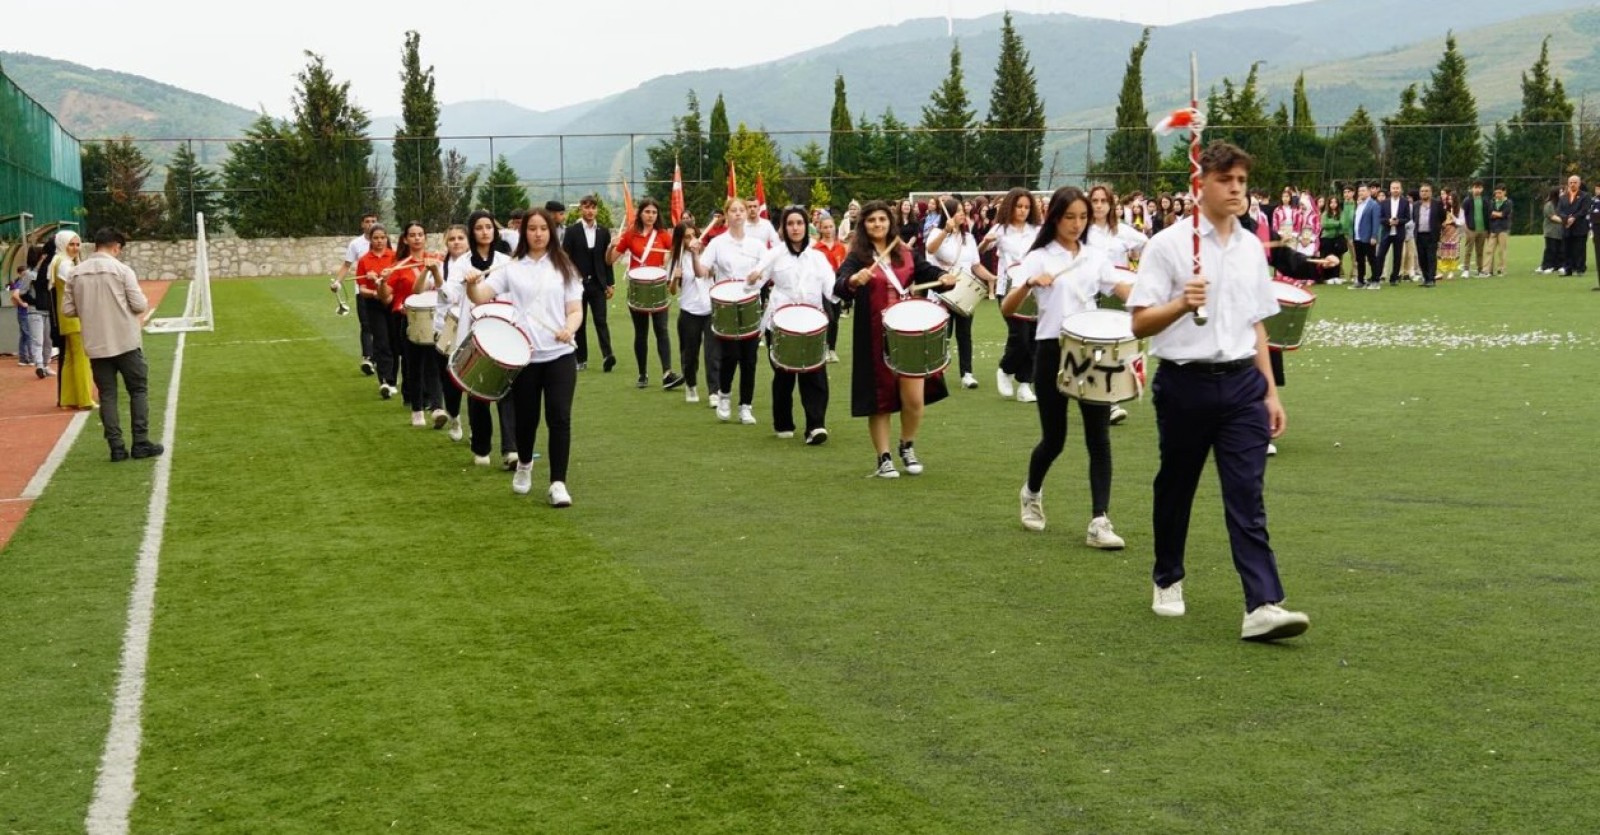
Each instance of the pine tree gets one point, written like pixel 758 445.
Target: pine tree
pixel 945 158
pixel 259 181
pixel 1539 140
pixel 684 150
pixel 419 187
pixel 1588 158
pixel 189 189
pixel 1304 152
pixel 501 193
pixel 1448 103
pixel 717 153
pixel 1012 144
pixel 114 175
pixel 1353 153
pixel 897 169
pixel 1131 149
pixel 802 178
pixel 844 145
pixel 460 183
pixel 1239 116
pixel 333 154
pixel 1409 147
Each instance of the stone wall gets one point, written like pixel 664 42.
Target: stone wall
pixel 242 257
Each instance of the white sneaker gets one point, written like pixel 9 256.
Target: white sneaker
pixel 440 418
pixel 522 480
pixel 1269 622
pixel 968 381
pixel 714 397
pixel 886 468
pixel 833 357
pixel 1003 384
pixel 417 419
pixel 1025 393
pixel 559 497
pixel 1032 510
pixel 785 435
pixel 724 410
pixel 817 437
pixel 1118 415
pixel 748 418
pixel 1168 602
pixel 690 395
pixel 455 429
pixel 1102 536
pixel 1272 449
pixel 385 391
pixel 480 460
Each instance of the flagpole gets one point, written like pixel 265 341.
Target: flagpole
pixel 1201 316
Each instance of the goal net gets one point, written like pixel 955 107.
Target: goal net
pixel 197 307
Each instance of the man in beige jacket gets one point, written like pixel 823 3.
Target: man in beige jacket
pixel 104 294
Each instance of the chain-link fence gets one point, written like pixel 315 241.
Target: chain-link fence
pixel 888 164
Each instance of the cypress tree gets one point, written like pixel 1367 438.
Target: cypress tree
pixel 1409 149
pixel 419 192
pixel 1303 150
pixel 944 158
pixel 1131 149
pixel 501 193
pixel 189 189
pixel 460 183
pixel 333 153
pixel 1539 140
pixel 1448 102
pixel 844 146
pixel 717 152
pixel 1013 138
pixel 259 184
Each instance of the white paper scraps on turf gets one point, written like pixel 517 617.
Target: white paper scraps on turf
pixel 113 785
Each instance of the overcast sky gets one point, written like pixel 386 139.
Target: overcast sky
pixel 486 50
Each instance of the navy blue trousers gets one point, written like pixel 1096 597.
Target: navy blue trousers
pixel 1198 413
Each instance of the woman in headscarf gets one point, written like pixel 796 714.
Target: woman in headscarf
pixel 75 389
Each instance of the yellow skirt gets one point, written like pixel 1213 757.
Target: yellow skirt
pixel 77 379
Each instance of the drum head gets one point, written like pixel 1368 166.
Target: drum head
pixel 915 316
pixel 502 342
pixel 1290 295
pixel 648 275
pixel 495 310
pixel 799 318
pixel 423 301
pixel 1100 325
pixel 731 292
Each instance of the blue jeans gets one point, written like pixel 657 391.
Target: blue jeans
pixel 24 336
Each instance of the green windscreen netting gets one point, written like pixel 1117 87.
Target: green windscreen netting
pixel 40 169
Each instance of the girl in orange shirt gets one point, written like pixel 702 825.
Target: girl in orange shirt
pixel 372 271
pixel 419 388
pixel 647 243
pixel 833 249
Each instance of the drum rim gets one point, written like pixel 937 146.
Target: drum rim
pixel 656 274
pixel 484 348
pixel 778 311
pixel 744 286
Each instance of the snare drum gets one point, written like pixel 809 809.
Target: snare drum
pixel 419 316
pixel 916 342
pixel 488 361
pixel 496 310
pixel 445 340
pixel 799 338
pixel 735 310
pixel 647 289
pixel 1101 361
pixel 963 299
pixel 1028 311
pixel 1286 329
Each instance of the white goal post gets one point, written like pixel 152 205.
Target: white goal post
pixel 197 307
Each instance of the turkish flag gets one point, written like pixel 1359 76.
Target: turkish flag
pixel 761 197
pixel 677 194
pixel 733 190
pixel 627 206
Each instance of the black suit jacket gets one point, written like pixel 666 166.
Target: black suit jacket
pixel 1577 209
pixel 1402 215
pixel 1435 217
pixel 590 263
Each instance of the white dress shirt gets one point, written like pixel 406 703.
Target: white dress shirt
pixel 796 279
pixel 1011 246
pixel 1120 244
pixel 1239 294
pixel 541 294
pixel 1072 291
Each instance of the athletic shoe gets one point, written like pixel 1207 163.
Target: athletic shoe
pixel 610 363
pixel 909 456
pixel 786 435
pixel 385 391
pixel 886 467
pixel 583 366
pixel 1335 281
pixel 145 449
pixel 724 409
pixel 455 429
pixel 1374 285
pixel 1118 415
pixel 747 417
pixel 1101 535
pixel 968 381
pixel 509 460
pixel 819 436
pixel 671 380
pixel 1168 602
pixel 480 460
pixel 643 382
pixel 690 395
pixel 522 480
pixel 833 356
pixel 417 419
pixel 714 397
pixel 24 363
pixel 1025 393
pixel 440 418
pixel 1003 384
pixel 559 497
pixel 1269 622
pixel 42 373
pixel 119 453
pixel 367 367
pixel 1032 510
pixel 1272 449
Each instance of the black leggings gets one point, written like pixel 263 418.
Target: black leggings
pixel 553 383
pixel 386 352
pixel 1018 359
pixel 694 331
pixel 422 372
pixel 813 398
pixel 962 325
pixel 641 339
pixel 739 355
pixel 1053 431
pixel 834 310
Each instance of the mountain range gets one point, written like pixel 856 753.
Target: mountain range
pixel 1351 52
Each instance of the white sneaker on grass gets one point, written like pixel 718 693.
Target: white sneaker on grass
pixel 786 435
pixel 886 467
pixel 1102 536
pixel 690 395
pixel 1168 602
pixel 968 381
pixel 1269 622
pixel 480 461
pixel 1272 449
pixel 440 418
pixel 559 497
pixel 908 455
pixel 522 479
pixel 417 419
pixel 455 429
pixel 748 418
pixel 1118 415
pixel 1003 383
pixel 1032 510
pixel 724 410
pixel 1025 393
pixel 817 437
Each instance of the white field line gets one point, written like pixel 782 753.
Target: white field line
pixel 114 784
pixel 47 470
pixel 261 341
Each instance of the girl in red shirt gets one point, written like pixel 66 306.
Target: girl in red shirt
pixel 419 385
pixel 372 272
pixel 647 243
pixel 833 249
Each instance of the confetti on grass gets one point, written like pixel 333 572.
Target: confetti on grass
pixel 1333 333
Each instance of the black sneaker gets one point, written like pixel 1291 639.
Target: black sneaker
pixel 145 449
pixel 610 363
pixel 817 437
pixel 643 383
pixel 366 367
pixel 671 380
pixel 909 456
pixel 119 453
pixel 886 467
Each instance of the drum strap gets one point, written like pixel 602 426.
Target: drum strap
pixel 888 272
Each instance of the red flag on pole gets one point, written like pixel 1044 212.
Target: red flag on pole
pixel 627 206
pixel 733 190
pixel 761 197
pixel 677 193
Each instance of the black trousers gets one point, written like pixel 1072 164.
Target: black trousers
pixel 385 351
pixel 423 364
pixel 962 326
pixel 739 355
pixel 480 421
pixel 1336 247
pixel 694 334
pixel 641 339
pixel 1017 360
pixel 551 384
pixel 1390 247
pixel 813 398
pixel 401 364
pixel 1428 255
pixel 1575 256
pixel 368 312
pixel 834 310
pixel 448 390
pixel 1197 413
pixel 135 375
pixel 594 312
pixel 1554 254
pixel 1366 256
pixel 1096 419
